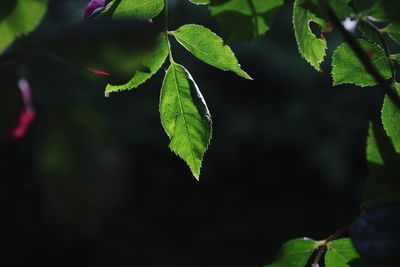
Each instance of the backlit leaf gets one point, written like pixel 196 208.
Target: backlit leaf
pixel 185 117
pixel 294 253
pixel 383 184
pixel 153 61
pixel 208 47
pixel 340 253
pixel 200 2
pixel 394 31
pixel 21 19
pixel 347 68
pixel 244 19
pixel 139 9
pixel 391 119
pixel 311 48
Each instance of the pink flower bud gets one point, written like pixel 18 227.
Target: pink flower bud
pixel 93 7
pixel 27 115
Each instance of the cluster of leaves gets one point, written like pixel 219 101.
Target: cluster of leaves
pixel 349 67
pixel 364 60
pixel 184 112
pixel 299 252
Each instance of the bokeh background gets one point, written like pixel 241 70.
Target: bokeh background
pixel 93 182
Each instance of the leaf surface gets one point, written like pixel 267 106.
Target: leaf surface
pixel 391 119
pixel 394 31
pixel 383 184
pixel 200 2
pixel 185 117
pixel 244 19
pixel 311 48
pixel 294 253
pixel 139 9
pixel 208 47
pixel 340 253
pixel 21 19
pixel 347 68
pixel 153 61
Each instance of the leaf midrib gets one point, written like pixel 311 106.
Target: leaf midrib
pixel 183 113
pixel 186 43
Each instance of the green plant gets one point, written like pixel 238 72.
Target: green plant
pixel 364 59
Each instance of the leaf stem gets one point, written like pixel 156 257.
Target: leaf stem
pixel 319 255
pixel 167 32
pixel 166 15
pixel 363 57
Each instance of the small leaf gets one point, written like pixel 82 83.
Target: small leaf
pixel 394 31
pixel 310 47
pixel 383 184
pixel 185 117
pixel 244 19
pixel 295 253
pixel 390 120
pixel 153 61
pixel 347 68
pixel 208 47
pixel 24 18
pixel 340 253
pixel 200 2
pixel 139 9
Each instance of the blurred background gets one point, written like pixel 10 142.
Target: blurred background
pixel 93 182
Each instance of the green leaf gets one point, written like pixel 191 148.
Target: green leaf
pixel 340 253
pixel 295 253
pixel 347 68
pixel 244 19
pixel 383 184
pixel 153 61
pixel 23 18
pixel 385 10
pixel 310 47
pixel 208 47
pixel 200 2
pixel 391 119
pixel 185 117
pixel 140 9
pixel 394 31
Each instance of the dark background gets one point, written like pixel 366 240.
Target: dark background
pixel 93 182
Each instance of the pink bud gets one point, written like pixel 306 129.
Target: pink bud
pixel 28 114
pixel 93 7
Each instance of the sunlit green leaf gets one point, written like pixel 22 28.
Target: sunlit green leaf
pixel 391 119
pixel 347 68
pixel 153 61
pixel 294 253
pixel 21 19
pixel 200 2
pixel 383 184
pixel 185 117
pixel 310 47
pixel 340 253
pixel 208 47
pixel 140 9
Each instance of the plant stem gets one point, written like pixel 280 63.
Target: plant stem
pixel 388 88
pixel 319 255
pixel 166 32
pixel 166 16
